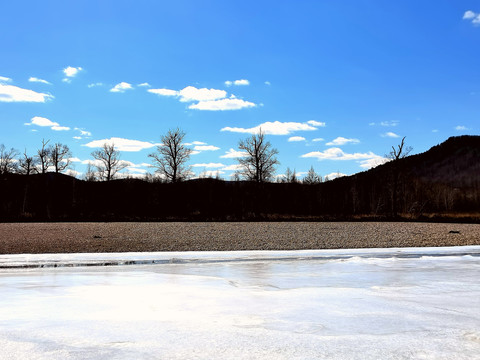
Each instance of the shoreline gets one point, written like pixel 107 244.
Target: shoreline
pixel 38 238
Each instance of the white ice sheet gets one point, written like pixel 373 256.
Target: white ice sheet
pixel 332 304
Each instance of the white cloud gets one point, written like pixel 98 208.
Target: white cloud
pixel 233 167
pixel 44 122
pixel 316 123
pixel 95 84
pixel 223 104
pixel 296 138
pixel 145 84
pixel 366 160
pixel 191 93
pixel 71 71
pixel 373 162
pixel 318 139
pixel 342 141
pixel 77 137
pixel 390 134
pixel 470 15
pixel 334 175
pixel 74 159
pixel 273 128
pixel 460 128
pixel 34 79
pixel 163 92
pixel 60 128
pixel 195 143
pixel 267 83
pixel 121 87
pixel 233 154
pixel 11 93
pixel 242 82
pixel 205 99
pixel 5 79
pixel 209 165
pixel 205 148
pixel 121 144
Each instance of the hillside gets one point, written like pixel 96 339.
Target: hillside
pixel 442 182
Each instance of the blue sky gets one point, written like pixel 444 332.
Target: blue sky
pixel 334 84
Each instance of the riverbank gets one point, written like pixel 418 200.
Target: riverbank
pixel 37 238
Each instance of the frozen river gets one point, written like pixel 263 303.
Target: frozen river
pixel 414 303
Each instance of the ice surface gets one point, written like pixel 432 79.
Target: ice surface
pixel 329 304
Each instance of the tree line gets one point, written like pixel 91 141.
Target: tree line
pixel 169 160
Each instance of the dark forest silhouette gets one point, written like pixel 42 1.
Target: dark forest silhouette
pixel 442 183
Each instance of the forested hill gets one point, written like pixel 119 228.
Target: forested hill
pixel 443 182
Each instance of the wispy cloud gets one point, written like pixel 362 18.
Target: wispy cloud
pixel 296 138
pixel 233 154
pixel 390 134
pixel 461 128
pixel 472 16
pixel 122 144
pixel 274 128
pixel 318 139
pixel 223 104
pixel 390 123
pixel 366 160
pixel 44 122
pixel 4 79
pixel 242 82
pixel 342 141
pixel 121 87
pixel 37 80
pixel 83 133
pixel 209 165
pixel 95 84
pixel 316 123
pixel 145 84
pixel 205 99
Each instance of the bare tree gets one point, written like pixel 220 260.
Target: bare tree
pixel 395 155
pixel 261 161
pixel 43 157
pixel 27 164
pixel 400 152
pixel 60 157
pixel 109 162
pixel 171 156
pixel 7 160
pixel 312 177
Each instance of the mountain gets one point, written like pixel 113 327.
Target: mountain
pixel 442 183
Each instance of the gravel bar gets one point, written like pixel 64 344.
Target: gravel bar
pixel 38 238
